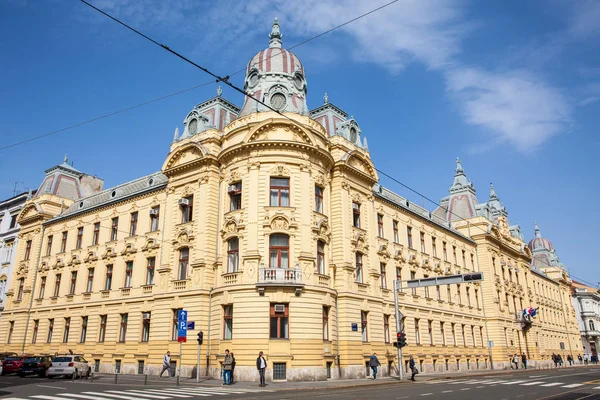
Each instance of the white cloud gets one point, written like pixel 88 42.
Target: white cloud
pixel 515 107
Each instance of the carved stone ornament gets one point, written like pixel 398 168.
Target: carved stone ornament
pixel 280 224
pixel 74 261
pixel 183 238
pixel 233 177
pixel 58 264
pixel 280 170
pixel 356 197
pixel 109 253
pixel 91 256
pixel 229 228
pixel 129 249
pixel 398 256
pixel 383 252
pixel 151 244
pixel 360 243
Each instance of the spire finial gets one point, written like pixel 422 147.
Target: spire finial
pixel 493 194
pixel 459 168
pixel 325 99
pixel 275 35
pixel 219 91
pixel 176 135
pixel 537 229
pixel 66 158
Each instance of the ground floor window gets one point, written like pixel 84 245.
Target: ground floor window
pixel 278 371
pixel 117 366
pixel 141 367
pixel 96 365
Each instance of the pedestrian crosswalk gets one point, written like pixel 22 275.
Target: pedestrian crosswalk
pixel 144 394
pixel 542 383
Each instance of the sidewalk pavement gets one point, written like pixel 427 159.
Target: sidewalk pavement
pixel 308 385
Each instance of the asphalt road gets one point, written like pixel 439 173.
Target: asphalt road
pixel 562 384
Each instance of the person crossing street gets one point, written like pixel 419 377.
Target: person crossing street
pixel 166 365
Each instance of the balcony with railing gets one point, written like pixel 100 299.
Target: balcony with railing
pixel 269 277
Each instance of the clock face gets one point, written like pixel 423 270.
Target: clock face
pixel 353 135
pixel 299 81
pixel 278 101
pixel 192 126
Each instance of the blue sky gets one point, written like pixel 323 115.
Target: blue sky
pixel 512 88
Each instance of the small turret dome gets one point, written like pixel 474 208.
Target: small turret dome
pixel 539 242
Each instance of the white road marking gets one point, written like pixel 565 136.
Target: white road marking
pixel 167 392
pixel 473 383
pixel 479 387
pixel 532 383
pixel 447 391
pixel 552 384
pixel 458 382
pixel 117 396
pixel 597 387
pixel 465 389
pixel 152 396
pixel 492 382
pixel 94 397
pixel 426 394
pixel 513 382
pixel 48 397
pixel 536 376
pixel 53 387
pixel 573 385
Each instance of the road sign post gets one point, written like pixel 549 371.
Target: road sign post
pixel 399 328
pixel 181 336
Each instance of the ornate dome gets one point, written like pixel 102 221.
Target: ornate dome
pixel 538 242
pixel 276 77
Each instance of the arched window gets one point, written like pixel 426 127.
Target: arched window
pixel 592 328
pixel 233 246
pixel 184 260
pixel 320 257
pixel 359 268
pixel 279 249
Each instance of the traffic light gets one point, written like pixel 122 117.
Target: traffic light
pixel 200 337
pixel 401 339
pixel 472 277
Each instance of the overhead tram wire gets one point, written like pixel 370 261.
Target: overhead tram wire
pixel 185 90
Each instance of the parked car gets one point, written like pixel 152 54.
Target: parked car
pixel 35 365
pixel 68 365
pixel 11 364
pixel 3 355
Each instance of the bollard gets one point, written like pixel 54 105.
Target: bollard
pixel 177 380
pixel 115 378
pixel 145 379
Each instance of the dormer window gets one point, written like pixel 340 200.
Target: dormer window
pixel 278 101
pixel 353 135
pixel 192 126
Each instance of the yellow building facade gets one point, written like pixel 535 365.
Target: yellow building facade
pixel 270 229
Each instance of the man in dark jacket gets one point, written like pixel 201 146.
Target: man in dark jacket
pixel 261 366
pixel 227 366
pixel 524 360
pixel 374 363
pixel 413 368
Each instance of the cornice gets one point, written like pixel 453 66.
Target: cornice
pixel 342 166
pixel 229 153
pixel 190 165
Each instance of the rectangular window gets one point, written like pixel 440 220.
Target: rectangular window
pixel 279 324
pixel 84 323
pixel 128 274
pixel 57 285
pixel 63 243
pixel 325 323
pixel 79 237
pixel 443 333
pixel 154 218
pixel 227 322
pixel 73 283
pixel 318 199
pixel 454 255
pixel 109 277
pixel 279 371
pixel 398 273
pixel 21 288
pixel 458 294
pixel 36 328
pixel 42 287
pixel 67 328
pixel 356 214
pixel 233 254
pixel 279 251
pixel 395 228
pixel 133 224
pixel 320 257
pixel 449 294
pixel 150 271
pixel 114 228
pixel 96 365
pixel 280 192
pixel 140 367
pixel 413 275
pixel 462 331
pixel 438 293
pixel 174 323
pixel 27 249
pixel 476 292
pixel 473 335
pixel 359 268
pixel 409 237
pixel 90 280
pixel 13 221
pixel 235 196
pixel 184 259
pixel 123 329
pixel 417 333
pixel 49 245
pixel 380 225
pixel 102 331
pixel 146 326
pixel 11 328
pixel 386 328
pixel 383 276
pixel 423 243
pixel 444 251
pixel 472 262
pixel 118 366
pixel 430 331
pixel 464 259
pixel 364 321
pixel 468 294
pixel 50 330
pixel 433 246
pixel 186 206
pixel 481 335
pixel 426 287
pixel 453 334
pixel 96 234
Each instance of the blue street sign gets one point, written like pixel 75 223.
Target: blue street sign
pixel 191 325
pixel 354 327
pixel 182 324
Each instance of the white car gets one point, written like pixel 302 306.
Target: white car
pixel 69 365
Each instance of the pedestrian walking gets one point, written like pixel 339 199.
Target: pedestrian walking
pixel 232 369
pixel 560 360
pixel 374 363
pixel 555 360
pixel 413 368
pixel 570 360
pixel 586 359
pixel 166 364
pixel 227 365
pixel 261 366
pixel 515 361
pixel 594 359
pixel 524 360
pixel 580 359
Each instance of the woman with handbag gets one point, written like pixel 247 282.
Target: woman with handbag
pixel 413 368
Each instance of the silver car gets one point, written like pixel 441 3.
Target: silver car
pixel 69 365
